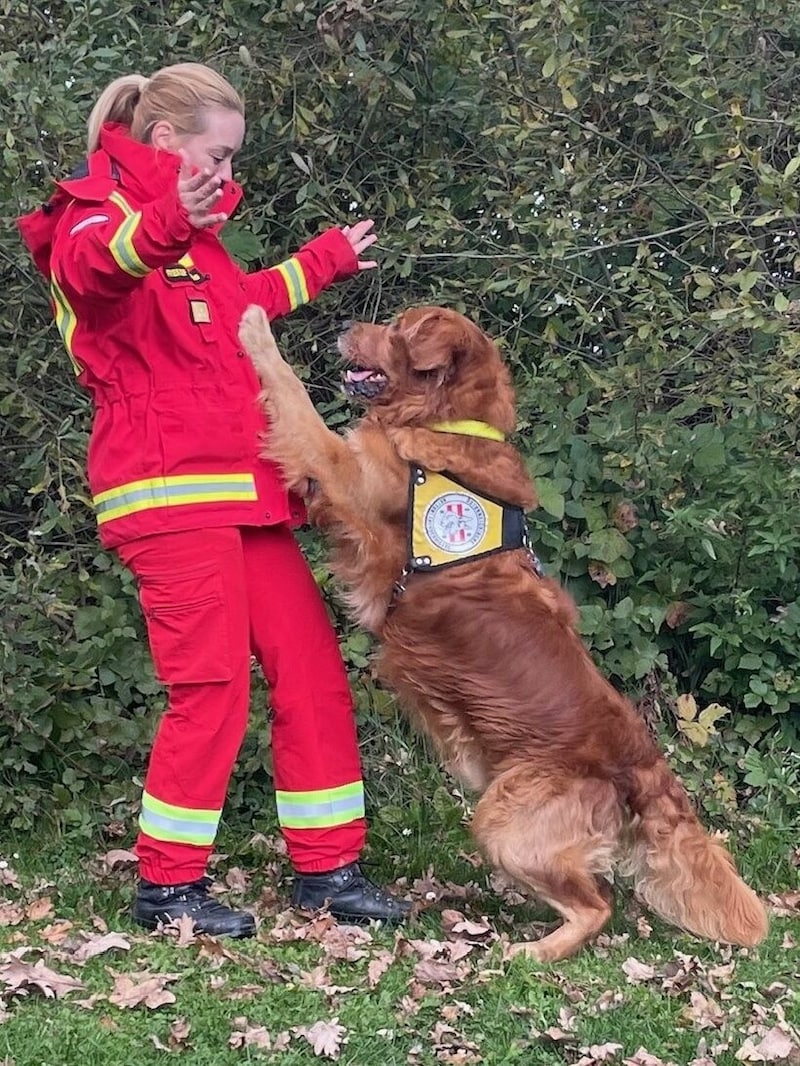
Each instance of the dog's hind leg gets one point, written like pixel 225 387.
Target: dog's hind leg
pixel 555 836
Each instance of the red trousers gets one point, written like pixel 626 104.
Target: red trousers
pixel 212 597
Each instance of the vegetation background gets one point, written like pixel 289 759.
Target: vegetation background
pixel 610 188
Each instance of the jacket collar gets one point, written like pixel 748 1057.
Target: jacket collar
pixel 149 172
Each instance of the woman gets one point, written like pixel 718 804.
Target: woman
pixel 148 305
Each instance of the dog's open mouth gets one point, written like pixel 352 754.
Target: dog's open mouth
pixel 364 382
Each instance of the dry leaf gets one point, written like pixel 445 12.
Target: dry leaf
pixel 142 989
pixel 637 972
pixel 237 880
pixel 244 992
pixel 644 1058
pixel 11 913
pixel 775 1046
pixel 677 613
pixel 785 904
pixel 644 929
pixel 326 1038
pixel 24 976
pixel 98 945
pixel 57 932
pixel 597 1053
pixel 39 909
pixel 8 877
pixel 378 965
pixel 250 1036
pixel 119 857
pixel 626 516
pixel 177 1039
pixel 704 1013
pixel 439 972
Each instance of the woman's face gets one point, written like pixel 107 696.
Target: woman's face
pixel 213 149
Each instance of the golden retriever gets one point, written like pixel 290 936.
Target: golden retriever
pixel 481 649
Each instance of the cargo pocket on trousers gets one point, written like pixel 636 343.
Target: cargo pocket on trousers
pixel 187 627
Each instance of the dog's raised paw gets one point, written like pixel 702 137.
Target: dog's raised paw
pixel 256 336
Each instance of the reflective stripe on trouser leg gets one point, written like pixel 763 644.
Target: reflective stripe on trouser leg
pixel 323 809
pixel 181 825
pixel 200 733
pixel 315 751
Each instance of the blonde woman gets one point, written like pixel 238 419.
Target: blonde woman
pixel 148 305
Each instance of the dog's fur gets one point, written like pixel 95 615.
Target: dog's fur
pixel 485 655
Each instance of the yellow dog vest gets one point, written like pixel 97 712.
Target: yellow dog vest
pixel 451 523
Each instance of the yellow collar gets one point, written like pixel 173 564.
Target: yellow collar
pixel 469 427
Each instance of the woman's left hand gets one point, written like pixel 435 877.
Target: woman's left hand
pixel 359 239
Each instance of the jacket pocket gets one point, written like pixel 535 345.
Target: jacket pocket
pixel 187 627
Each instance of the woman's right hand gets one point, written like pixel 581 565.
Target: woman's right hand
pixel 198 193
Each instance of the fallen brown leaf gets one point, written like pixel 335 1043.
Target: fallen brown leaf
pixel 637 972
pixel 784 904
pixel 56 933
pixel 118 857
pixel 776 1045
pixel 23 976
pixel 39 909
pixel 704 1013
pixel 250 1036
pixel 142 989
pixel 597 1053
pixel 450 1046
pixel 244 992
pixel 378 965
pixel 178 1036
pixel 318 980
pixel 644 1058
pixel 11 913
pixel 8 876
pixel 237 880
pixel 439 972
pixel 99 945
pixel 326 1038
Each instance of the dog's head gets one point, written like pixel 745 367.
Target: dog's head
pixel 431 364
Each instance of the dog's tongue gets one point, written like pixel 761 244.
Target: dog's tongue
pixel 358 375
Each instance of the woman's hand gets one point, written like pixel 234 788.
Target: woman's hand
pixel 198 193
pixel 360 239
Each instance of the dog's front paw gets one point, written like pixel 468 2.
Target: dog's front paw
pixel 256 336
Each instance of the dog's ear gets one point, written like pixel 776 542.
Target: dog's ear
pixel 437 337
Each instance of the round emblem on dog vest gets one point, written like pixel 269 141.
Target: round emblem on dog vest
pixel 455 522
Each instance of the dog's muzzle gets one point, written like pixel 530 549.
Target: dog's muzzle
pixel 364 383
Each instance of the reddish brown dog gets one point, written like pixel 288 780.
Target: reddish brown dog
pixel 484 652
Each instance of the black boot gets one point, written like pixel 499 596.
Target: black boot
pixel 349 896
pixel 161 903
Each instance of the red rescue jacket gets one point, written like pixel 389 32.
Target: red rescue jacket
pixel 148 308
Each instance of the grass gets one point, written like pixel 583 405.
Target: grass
pixel 482 1009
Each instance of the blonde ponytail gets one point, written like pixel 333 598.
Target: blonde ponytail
pixel 117 103
pixel 180 94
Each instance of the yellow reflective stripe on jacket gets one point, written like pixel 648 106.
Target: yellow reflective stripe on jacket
pixel 121 244
pixel 177 490
pixel 66 321
pixel 295 280
pixel 181 825
pixel 322 808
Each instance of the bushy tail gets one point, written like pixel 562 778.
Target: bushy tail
pixel 679 871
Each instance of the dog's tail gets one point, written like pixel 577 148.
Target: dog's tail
pixel 681 872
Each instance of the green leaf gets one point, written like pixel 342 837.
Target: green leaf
pixel 550 499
